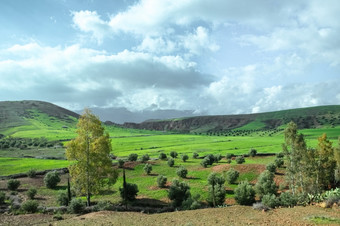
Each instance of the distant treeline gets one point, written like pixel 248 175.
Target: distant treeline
pixel 24 143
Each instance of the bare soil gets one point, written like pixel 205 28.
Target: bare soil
pixel 233 215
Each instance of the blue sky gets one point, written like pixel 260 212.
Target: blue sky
pixel 212 57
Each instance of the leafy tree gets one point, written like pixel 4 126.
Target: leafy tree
pixel 147 168
pixel 271 167
pixel 218 158
pixel 195 155
pixel 279 162
pixel 161 181
pixel 184 157
pixel 173 154
pixel 131 192
pixel 90 153
pixel 231 175
pixel 51 179
pixel 217 190
pixel 162 156
pixel 244 193
pixel 31 193
pixel 252 152
pixel 145 158
pixel 182 172
pixel 178 192
pixel 133 157
pixel 337 159
pixel 266 184
pixel 13 184
pixel 240 159
pixel 171 162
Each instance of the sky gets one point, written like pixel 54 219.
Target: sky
pixel 210 57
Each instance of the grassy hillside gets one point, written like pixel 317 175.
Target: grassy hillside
pixel 305 118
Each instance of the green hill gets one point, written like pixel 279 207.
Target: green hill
pixel 306 118
pixel 36 119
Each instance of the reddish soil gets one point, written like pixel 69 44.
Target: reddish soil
pixel 256 168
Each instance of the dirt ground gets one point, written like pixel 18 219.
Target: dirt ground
pixel 233 215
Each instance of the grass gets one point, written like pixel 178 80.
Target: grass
pixel 324 220
pixel 21 165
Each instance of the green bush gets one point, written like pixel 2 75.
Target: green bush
pixel 205 162
pixel 173 154
pixel 210 158
pixel 30 206
pixel 51 179
pixel 195 155
pixel 76 206
pixel 31 193
pixel 231 176
pixel 145 158
pixel 184 157
pixel 271 167
pixel 133 157
pixel 62 198
pixel 178 192
pixel 162 156
pixel 32 173
pixel 2 197
pixel 182 172
pixel 131 192
pixel 287 199
pixel 13 184
pixel 240 159
pixel 244 193
pixel 171 162
pixel 229 156
pixel 147 168
pixel 228 161
pixel 279 162
pixel 191 203
pixel 270 201
pixel 161 181
pixel 121 163
pixel 252 152
pixel 280 155
pixel 217 157
pixel 103 205
pixel 266 184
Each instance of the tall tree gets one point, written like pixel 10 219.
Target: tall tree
pixel 337 159
pixel 89 152
pixel 327 163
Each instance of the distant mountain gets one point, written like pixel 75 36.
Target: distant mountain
pixel 121 115
pixel 313 117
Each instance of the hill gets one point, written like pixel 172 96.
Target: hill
pixel 35 118
pixel 312 117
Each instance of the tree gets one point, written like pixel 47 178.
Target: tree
pixel 217 191
pixel 265 184
pixel 337 159
pixel 90 153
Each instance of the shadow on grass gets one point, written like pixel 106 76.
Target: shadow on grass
pixel 153 174
pixel 229 192
pixel 107 192
pixel 146 202
pixel 60 187
pixel 192 178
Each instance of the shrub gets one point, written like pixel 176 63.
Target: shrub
pixel 331 200
pixel 30 206
pixel 103 205
pixel 51 179
pixel 147 168
pixel 195 155
pixel 205 162
pixel 182 172
pixel 266 184
pixel 133 157
pixel 173 154
pixel 229 156
pixel 184 157
pixel 32 173
pixel 280 155
pixel 279 162
pixel 31 193
pixel 271 167
pixel 145 158
pixel 244 193
pixel 171 162
pixel 231 176
pixel 252 152
pixel 13 184
pixel 228 161
pixel 178 192
pixel 62 198
pixel 287 199
pixel 191 203
pixel 210 158
pixel 217 157
pixel 270 201
pixel 240 159
pixel 162 156
pixel 131 192
pixel 2 197
pixel 76 206
pixel 161 181
pixel 121 163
